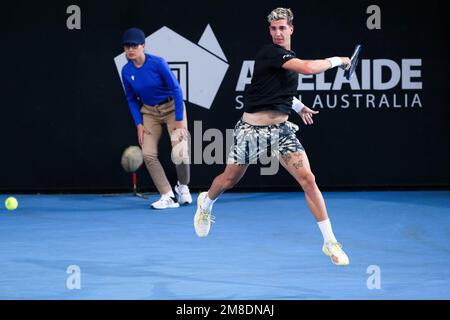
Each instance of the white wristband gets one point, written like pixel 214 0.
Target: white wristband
pixel 297 105
pixel 335 61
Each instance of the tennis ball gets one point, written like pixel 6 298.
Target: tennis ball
pixel 11 203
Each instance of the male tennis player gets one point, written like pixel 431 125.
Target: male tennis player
pixel 268 101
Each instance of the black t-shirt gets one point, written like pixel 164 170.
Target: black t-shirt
pixel 272 87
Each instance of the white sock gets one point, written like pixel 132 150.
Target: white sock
pixel 169 194
pixel 327 231
pixel 207 203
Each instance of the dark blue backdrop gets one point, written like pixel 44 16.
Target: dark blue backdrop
pixel 65 120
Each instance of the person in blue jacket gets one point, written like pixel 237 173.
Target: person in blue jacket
pixel 155 98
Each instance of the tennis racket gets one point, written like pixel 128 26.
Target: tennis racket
pixel 354 62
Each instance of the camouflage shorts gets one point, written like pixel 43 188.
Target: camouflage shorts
pixel 258 143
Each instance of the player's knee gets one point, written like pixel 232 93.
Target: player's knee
pixel 308 181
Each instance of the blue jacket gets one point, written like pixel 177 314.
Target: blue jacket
pixel 152 84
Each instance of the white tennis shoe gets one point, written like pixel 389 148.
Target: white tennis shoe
pixel 335 252
pixel 165 202
pixel 202 218
pixel 183 194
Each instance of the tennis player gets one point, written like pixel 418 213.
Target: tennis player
pixel 155 98
pixel 268 103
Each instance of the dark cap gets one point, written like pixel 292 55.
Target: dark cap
pixel 133 36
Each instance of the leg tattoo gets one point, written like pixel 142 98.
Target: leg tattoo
pixel 286 157
pixel 298 164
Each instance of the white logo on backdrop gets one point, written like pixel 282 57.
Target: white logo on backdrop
pixel 200 68
pixel 377 83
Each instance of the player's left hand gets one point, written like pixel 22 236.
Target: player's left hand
pixel 307 114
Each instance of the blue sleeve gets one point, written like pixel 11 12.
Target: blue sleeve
pixel 133 102
pixel 172 82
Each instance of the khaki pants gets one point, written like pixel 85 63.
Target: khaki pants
pixel 154 117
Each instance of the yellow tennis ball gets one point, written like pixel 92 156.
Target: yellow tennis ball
pixel 11 203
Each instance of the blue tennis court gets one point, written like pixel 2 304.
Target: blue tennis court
pixel 262 246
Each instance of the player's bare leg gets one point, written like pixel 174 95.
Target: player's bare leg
pixel 227 180
pixel 297 164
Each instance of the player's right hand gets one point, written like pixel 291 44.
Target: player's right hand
pixel 141 130
pixel 346 63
